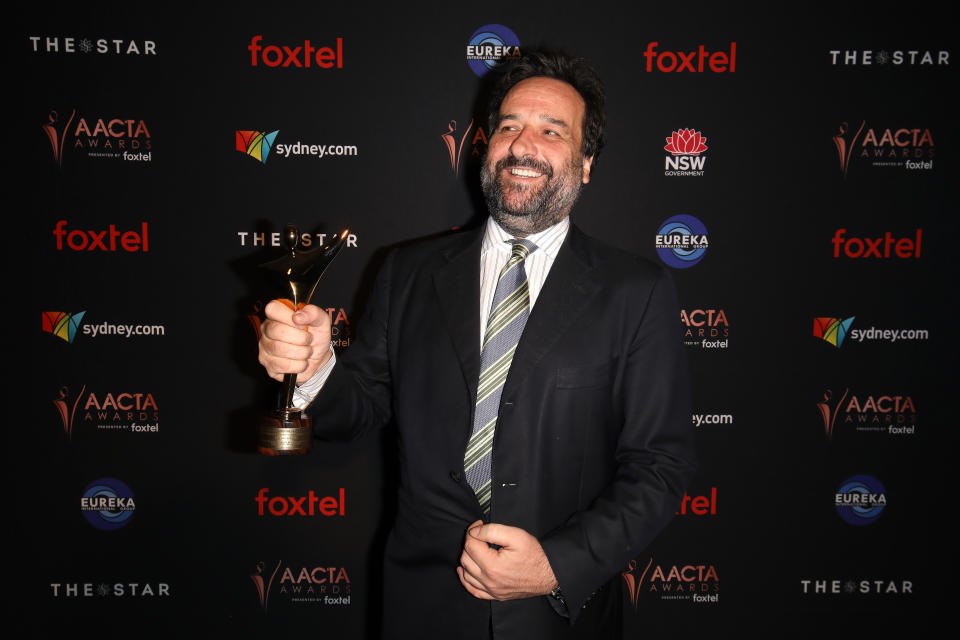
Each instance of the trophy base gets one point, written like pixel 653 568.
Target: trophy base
pixel 285 432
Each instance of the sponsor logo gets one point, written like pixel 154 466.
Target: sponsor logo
pixel 131 412
pixel 126 139
pixel 895 57
pixel 107 504
pixel 891 414
pixel 696 583
pixel 272 239
pixel 301 55
pixel 109 239
pixel 705 328
pixel 65 326
pixel 685 159
pixel 886 246
pixel 111 46
pixel 700 419
pixel 256 144
pixel 910 148
pixel 698 505
pixel 455 142
pixel 681 241
pixel 308 505
pixel 856 586
pixel 835 331
pixel 490 46
pixel 697 61
pixel 139 589
pixel 298 584
pixel 860 500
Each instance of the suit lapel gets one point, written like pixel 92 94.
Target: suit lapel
pixel 458 288
pixel 568 288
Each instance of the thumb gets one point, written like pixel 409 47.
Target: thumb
pixel 498 534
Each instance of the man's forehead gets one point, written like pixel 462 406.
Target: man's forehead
pixel 554 100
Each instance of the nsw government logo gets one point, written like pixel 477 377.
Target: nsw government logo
pixel 107 504
pixel 860 500
pixel 685 159
pixel 490 46
pixel 682 241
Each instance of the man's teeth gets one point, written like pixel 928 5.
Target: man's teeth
pixel 525 173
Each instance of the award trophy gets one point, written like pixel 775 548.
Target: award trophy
pixel 285 431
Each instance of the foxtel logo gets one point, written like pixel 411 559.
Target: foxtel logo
pixel 692 61
pixel 109 239
pixel 885 246
pixel 284 56
pixel 308 505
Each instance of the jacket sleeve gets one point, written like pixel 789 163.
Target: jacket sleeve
pixel 654 458
pixel 356 398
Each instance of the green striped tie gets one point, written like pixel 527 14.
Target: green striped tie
pixel 508 315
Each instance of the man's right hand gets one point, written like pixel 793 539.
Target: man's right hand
pixel 294 342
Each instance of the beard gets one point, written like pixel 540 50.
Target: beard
pixel 533 209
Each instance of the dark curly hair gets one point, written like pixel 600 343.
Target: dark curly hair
pixel 575 72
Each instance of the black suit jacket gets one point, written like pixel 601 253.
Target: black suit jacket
pixel 593 447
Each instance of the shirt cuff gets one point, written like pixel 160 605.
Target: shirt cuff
pixel 304 394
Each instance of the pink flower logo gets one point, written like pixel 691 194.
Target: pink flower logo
pixel 686 142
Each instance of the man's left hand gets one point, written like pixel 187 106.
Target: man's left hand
pixel 518 569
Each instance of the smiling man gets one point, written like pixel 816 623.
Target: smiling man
pixel 537 382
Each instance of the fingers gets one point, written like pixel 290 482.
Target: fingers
pixel 294 342
pixel 473 586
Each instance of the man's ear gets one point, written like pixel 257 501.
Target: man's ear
pixel 587 165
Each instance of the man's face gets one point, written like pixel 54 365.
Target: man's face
pixel 534 167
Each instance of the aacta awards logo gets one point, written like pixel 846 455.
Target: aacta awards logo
pixel 891 414
pixel 125 139
pixel 303 55
pixel 860 500
pixel 63 325
pixel 131 412
pixel 107 504
pixel 698 583
pixel 705 328
pixel 256 144
pixel 454 141
pixel 910 148
pixel 681 241
pixel 697 61
pixel 300 585
pixel 832 330
pixel 491 46
pixel 685 159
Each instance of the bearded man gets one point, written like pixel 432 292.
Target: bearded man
pixel 537 382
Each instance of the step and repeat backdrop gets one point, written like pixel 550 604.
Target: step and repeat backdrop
pixel 807 158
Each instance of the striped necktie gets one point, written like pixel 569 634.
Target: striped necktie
pixel 508 315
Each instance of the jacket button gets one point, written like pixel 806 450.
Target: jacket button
pixel 456 476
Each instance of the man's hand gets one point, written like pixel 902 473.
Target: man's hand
pixel 294 342
pixel 518 569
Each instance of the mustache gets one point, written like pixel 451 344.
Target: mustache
pixel 526 162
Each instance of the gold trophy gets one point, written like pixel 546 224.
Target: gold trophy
pixel 285 431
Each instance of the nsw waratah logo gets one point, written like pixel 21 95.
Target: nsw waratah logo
pixel 682 241
pixel 490 46
pixel 256 144
pixel 107 504
pixel 832 330
pixel 685 159
pixel 860 500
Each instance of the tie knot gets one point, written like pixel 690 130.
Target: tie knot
pixel 521 249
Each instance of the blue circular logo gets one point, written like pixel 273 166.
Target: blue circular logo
pixel 490 46
pixel 107 504
pixel 860 500
pixel 682 241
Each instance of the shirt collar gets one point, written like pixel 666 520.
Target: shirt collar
pixel 548 240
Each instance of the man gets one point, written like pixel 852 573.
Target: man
pixel 517 511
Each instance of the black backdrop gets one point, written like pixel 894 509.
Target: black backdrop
pixel 760 545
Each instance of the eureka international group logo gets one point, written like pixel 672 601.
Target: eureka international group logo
pixel 490 46
pixel 681 241
pixel 860 500
pixel 107 504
